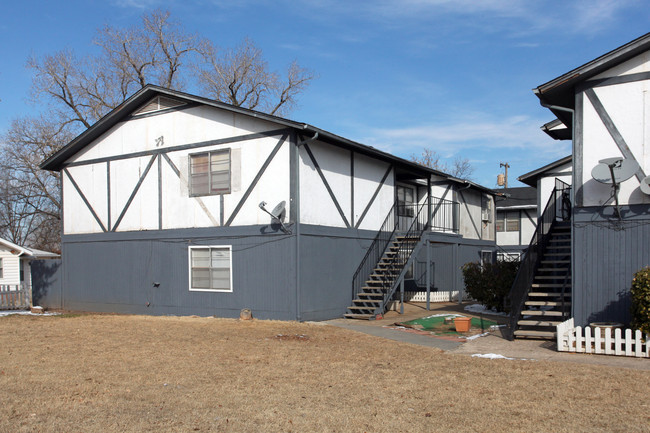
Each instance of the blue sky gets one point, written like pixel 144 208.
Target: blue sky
pixel 400 75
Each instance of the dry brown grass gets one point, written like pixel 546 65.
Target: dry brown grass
pixel 99 373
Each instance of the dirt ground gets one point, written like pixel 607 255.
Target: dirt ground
pixel 101 373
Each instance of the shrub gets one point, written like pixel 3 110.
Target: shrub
pixel 640 293
pixel 490 283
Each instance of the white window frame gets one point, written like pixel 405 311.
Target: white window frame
pixel 209 154
pixel 209 247
pixel 2 268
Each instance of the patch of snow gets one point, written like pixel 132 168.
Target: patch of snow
pixel 25 313
pixel 474 337
pixel 442 315
pixel 482 309
pixel 490 356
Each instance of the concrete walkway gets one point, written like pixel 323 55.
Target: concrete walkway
pixel 495 343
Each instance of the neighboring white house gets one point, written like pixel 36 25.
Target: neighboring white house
pixel 516 219
pixel 603 107
pixel 177 204
pixel 15 263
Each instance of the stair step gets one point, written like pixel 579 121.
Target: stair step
pixel 539 334
pixel 558 285
pixel 565 254
pixel 361 310
pixel 549 262
pixel 547 294
pixel 553 277
pixel 547 303
pixel 541 313
pixel 553 269
pixel 530 322
pixel 558 247
pixel 368 301
pixel 371 294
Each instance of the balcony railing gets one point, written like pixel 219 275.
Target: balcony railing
pixel 444 215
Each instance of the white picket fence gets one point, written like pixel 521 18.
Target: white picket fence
pixel 603 341
pixel 15 297
pixel 446 296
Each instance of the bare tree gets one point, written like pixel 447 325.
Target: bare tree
pixel 460 167
pixel 241 77
pixel 30 198
pixel 73 93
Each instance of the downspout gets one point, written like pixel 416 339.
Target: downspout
pixel 297 222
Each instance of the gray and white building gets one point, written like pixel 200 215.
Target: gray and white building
pixel 177 204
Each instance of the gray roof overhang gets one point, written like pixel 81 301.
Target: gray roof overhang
pixel 560 92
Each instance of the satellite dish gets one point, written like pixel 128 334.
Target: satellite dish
pixel 645 185
pixel 277 214
pixel 614 170
pixel 280 211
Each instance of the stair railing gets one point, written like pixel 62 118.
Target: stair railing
pixel 375 251
pixel 398 261
pixel 556 209
pixel 444 216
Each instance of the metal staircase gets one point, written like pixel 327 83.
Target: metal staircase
pixel 386 261
pixel 549 299
pixel 540 297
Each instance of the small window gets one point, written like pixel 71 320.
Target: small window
pixel 500 223
pixel 210 173
pixel 486 257
pixel 211 269
pixel 2 273
pixel 507 221
pixel 512 221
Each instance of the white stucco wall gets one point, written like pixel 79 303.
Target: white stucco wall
pixel 628 105
pixel 179 210
pixel 546 184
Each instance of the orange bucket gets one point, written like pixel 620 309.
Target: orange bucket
pixel 462 324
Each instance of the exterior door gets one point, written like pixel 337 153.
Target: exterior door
pixel 405 206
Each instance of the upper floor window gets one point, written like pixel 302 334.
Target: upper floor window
pixel 210 173
pixel 508 221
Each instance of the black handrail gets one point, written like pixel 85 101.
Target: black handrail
pixel 375 251
pixel 407 244
pixel 444 216
pixel 556 209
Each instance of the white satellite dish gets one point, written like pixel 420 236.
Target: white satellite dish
pixel 277 215
pixel 645 185
pixel 614 170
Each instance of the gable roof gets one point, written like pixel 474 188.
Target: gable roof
pixel 137 101
pixel 531 177
pixel 519 197
pixel 30 252
pixel 561 90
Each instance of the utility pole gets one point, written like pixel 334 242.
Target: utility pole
pixel 507 166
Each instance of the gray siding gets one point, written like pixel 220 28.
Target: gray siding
pixel 607 253
pixel 448 253
pixel 47 276
pixel 328 259
pixel 116 272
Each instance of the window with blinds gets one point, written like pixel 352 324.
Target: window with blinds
pixel 210 173
pixel 211 269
